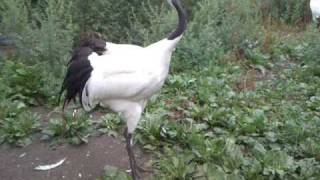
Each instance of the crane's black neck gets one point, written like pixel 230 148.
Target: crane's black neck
pixel 182 25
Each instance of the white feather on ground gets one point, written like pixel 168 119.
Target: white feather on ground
pixel 50 166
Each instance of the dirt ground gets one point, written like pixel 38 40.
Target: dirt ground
pixel 82 162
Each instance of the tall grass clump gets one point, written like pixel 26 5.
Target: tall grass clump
pixel 308 51
pixel 312 40
pixel 111 18
pixel 303 50
pixel 42 31
pixel 294 12
pixel 215 28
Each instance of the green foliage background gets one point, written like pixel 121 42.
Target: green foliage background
pixel 241 101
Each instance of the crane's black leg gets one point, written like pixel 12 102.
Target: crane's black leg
pixel 133 165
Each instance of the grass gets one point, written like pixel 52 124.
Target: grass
pixel 242 100
pixel 255 116
pixel 207 128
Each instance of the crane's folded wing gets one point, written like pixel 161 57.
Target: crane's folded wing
pixel 122 85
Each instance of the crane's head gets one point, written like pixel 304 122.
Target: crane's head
pixel 97 45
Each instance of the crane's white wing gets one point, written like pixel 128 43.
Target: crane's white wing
pixel 121 76
pixel 126 85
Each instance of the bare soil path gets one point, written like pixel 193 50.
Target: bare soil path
pixel 82 162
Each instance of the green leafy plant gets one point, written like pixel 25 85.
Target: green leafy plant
pixel 17 128
pixel 74 127
pixel 176 166
pixel 113 173
pixel 25 83
pixel 110 124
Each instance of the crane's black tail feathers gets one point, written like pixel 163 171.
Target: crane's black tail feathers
pixel 79 69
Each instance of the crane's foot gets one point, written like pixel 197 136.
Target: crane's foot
pixel 135 174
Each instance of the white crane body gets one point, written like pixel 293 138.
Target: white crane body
pixel 121 80
pixel 121 77
pixel 315 9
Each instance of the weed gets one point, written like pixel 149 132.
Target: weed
pixel 176 166
pixel 113 173
pixel 27 83
pixel 74 127
pixel 110 124
pixel 17 128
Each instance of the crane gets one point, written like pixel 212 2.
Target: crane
pixel 315 9
pixel 121 77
